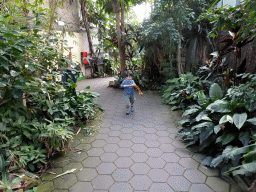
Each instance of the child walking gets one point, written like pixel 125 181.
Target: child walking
pixel 128 84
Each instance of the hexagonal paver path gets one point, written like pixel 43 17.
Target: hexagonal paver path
pixel 138 152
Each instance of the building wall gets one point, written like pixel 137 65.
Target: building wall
pixel 233 3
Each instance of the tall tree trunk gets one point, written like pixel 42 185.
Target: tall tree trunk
pixel 116 8
pixel 86 26
pixel 179 65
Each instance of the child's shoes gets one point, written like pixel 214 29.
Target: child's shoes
pixel 128 112
pixel 132 109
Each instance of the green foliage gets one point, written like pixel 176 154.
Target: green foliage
pixel 239 18
pixel 36 111
pixel 181 91
pixel 221 121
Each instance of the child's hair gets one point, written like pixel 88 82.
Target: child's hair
pixel 128 73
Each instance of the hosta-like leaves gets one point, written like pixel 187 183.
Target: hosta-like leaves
pixel 244 137
pixel 202 125
pixel 252 120
pixel 189 112
pixel 205 134
pixel 215 91
pixel 226 118
pixel 207 161
pixel 217 128
pixel 239 119
pixel 246 168
pixel 225 139
pixel 220 106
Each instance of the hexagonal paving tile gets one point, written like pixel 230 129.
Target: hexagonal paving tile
pixel 95 152
pixel 174 169
pixel 138 133
pixel 162 133
pixel 194 176
pixel 122 175
pixel 74 142
pixel 199 157
pixel 217 184
pixel 183 152
pixel 127 130
pixel 127 124
pixel 156 162
pixel 91 162
pixel 151 137
pixel 138 126
pixel 139 157
pixel 102 182
pixel 77 157
pixel 65 181
pixel 154 152
pixel 139 148
pixel 152 143
pixel 123 162
pixel 167 148
pixel 141 182
pixel 113 140
pixel 81 185
pixel 106 168
pixel 148 124
pixel 126 136
pixel 140 168
pixel 124 152
pixel 200 187
pixel 114 133
pixel 125 143
pixel 208 171
pixel 138 139
pixel 98 143
pixel 178 144
pixel 158 175
pixel 189 163
pixel 164 140
pixel 111 147
pixel 77 165
pixel 124 187
pixel 179 183
pixel 157 187
pixel 101 136
pixel 161 127
pixel 85 146
pixel 86 174
pixel 173 130
pixel 149 130
pixel 108 157
pixel 115 127
pixel 103 130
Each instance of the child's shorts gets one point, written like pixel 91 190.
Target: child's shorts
pixel 129 100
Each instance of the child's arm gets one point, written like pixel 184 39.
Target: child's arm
pixel 123 84
pixel 140 92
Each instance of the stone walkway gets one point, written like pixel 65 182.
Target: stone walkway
pixel 132 153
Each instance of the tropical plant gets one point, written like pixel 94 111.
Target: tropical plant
pixel 181 91
pixel 36 111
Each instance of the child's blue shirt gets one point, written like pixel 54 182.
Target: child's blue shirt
pixel 128 90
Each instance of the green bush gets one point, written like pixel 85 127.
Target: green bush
pixel 180 91
pixel 37 112
pixel 223 124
